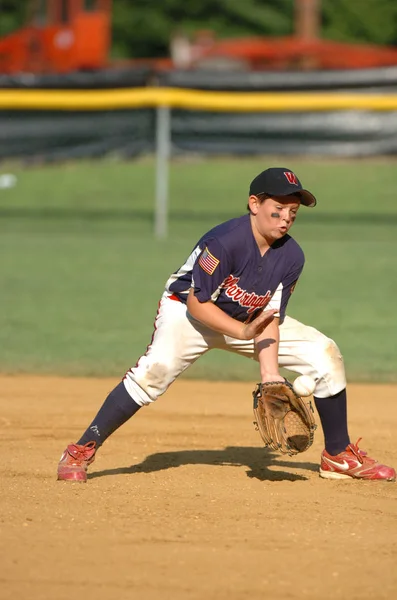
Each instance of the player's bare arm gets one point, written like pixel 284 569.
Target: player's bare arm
pixel 215 318
pixel 267 345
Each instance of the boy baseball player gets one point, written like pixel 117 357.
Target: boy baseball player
pixel 232 293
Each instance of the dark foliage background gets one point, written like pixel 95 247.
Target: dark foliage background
pixel 142 28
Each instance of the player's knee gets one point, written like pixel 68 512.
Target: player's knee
pixel 329 351
pixel 145 385
pixel 329 368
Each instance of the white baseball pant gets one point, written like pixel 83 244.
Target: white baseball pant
pixel 179 340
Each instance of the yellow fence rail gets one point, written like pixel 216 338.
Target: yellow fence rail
pixel 90 100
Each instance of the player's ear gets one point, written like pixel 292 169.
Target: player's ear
pixel 253 204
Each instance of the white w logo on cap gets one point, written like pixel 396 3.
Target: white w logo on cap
pixel 291 177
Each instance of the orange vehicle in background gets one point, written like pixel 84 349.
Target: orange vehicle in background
pixel 65 36
pixel 60 36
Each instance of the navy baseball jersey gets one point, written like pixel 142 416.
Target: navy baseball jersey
pixel 226 267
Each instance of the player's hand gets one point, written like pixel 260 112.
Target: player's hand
pixel 259 324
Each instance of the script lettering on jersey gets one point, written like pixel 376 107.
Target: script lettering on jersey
pixel 248 300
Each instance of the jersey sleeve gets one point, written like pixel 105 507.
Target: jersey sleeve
pixel 288 287
pixel 275 301
pixel 211 268
pixel 283 292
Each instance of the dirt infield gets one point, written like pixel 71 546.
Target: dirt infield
pixel 183 502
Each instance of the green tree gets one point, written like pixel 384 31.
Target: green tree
pixel 12 15
pixel 142 28
pixel 360 21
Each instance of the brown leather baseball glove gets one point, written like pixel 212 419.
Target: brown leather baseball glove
pixel 285 420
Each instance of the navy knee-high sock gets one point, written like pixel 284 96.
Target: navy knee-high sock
pixel 116 410
pixel 333 416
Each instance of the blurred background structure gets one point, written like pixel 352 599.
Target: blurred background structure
pixel 90 78
pixel 343 53
pixel 59 36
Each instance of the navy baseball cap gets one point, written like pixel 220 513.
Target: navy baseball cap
pixel 278 181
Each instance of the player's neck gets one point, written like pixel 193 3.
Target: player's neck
pixel 263 242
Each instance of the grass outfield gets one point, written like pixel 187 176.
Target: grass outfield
pixel 81 273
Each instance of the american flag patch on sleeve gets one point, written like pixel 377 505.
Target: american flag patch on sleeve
pixel 208 262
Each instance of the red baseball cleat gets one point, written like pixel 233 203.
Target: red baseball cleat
pixel 75 461
pixel 354 463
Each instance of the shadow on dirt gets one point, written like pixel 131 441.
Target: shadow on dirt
pixel 262 463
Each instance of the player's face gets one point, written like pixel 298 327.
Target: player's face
pixel 274 216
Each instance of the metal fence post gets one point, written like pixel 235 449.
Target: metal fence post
pixel 163 151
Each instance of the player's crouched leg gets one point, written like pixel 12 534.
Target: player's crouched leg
pixel 307 351
pixel 141 385
pixel 148 380
pixel 117 408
